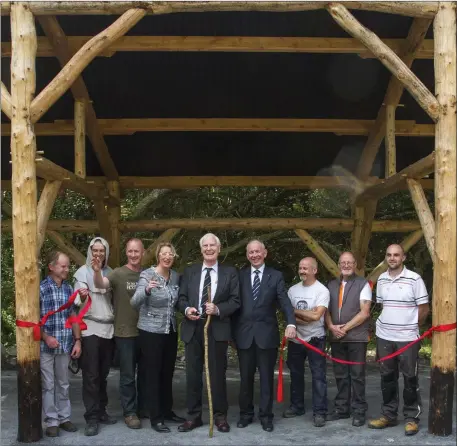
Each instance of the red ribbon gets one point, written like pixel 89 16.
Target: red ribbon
pixel 428 333
pixel 68 323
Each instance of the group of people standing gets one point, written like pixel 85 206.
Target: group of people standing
pixel 135 310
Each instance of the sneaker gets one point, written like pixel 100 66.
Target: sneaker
pixel 292 413
pixel 334 416
pixel 52 431
pixel 91 429
pixel 411 427
pixel 68 426
pixel 319 420
pixel 106 419
pixel 381 423
pixel 132 422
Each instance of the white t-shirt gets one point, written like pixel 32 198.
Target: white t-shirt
pixel 400 297
pixel 306 298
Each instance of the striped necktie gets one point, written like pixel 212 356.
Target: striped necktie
pixel 256 285
pixel 206 285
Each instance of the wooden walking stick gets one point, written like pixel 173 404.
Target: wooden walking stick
pixel 208 378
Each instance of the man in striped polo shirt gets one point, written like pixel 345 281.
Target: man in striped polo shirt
pixel 405 307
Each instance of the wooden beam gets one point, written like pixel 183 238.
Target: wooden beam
pixel 317 250
pixel 58 41
pixel 50 171
pixel 412 9
pixel 395 89
pixel 47 199
pixel 442 379
pixel 149 254
pixel 114 216
pixel 406 244
pixel 132 126
pixel 257 44
pixel 424 214
pixel 419 169
pixel 387 57
pixel 65 246
pixel 241 244
pixel 24 196
pixel 6 101
pixel 71 71
pixel 80 138
pixel 318 224
pixel 391 149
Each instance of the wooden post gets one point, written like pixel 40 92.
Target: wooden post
pixel 114 215
pixel 23 152
pixel 391 150
pixel 80 139
pixel 444 274
pixel 424 213
pixel 103 221
pixel 47 199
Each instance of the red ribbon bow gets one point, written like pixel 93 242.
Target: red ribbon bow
pixel 68 323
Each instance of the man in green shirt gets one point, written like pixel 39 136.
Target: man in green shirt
pixel 123 282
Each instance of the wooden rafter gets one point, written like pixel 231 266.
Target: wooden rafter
pixel 150 252
pixel 318 224
pixel 395 89
pixel 317 250
pixel 6 101
pixel 323 45
pixel 387 57
pixel 131 126
pixel 71 71
pixel 45 204
pixel 419 169
pixel 58 41
pixel 412 9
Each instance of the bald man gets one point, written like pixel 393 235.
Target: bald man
pixel 404 299
pixel 310 299
pixel 348 320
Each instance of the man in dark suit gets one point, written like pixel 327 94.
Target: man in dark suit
pixel 255 327
pixel 195 303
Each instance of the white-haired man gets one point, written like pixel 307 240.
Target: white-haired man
pixel 196 304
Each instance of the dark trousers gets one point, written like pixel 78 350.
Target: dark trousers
pixel 350 377
pixel 195 359
pixel 96 357
pixel 159 355
pixel 407 364
pixel 131 375
pixel 296 356
pixel 250 359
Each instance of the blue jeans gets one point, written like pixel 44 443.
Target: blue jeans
pixel 296 356
pixel 131 376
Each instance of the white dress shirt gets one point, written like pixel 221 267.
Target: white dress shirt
pixel 213 275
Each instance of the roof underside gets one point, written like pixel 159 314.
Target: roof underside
pixel 231 85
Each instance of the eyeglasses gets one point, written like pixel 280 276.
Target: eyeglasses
pixel 346 263
pixel 167 254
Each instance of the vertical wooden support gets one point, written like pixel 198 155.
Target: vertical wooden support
pixel 102 217
pixel 47 199
pixel 114 215
pixel 444 274
pixel 80 138
pixel 24 193
pixel 424 213
pixel 391 151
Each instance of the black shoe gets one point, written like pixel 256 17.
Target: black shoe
pixel 337 416
pixel 358 420
pixel 222 426
pixel 160 427
pixel 267 425
pixel 106 419
pixel 188 426
pixel 174 418
pixel 292 413
pixel 319 420
pixel 243 422
pixel 91 429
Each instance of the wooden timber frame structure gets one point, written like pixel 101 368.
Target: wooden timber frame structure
pixel 30 218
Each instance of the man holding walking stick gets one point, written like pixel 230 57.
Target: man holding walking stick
pixel 195 303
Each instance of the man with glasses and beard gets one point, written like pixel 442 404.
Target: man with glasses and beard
pixel 347 319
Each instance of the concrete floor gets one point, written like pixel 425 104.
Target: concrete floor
pixel 287 431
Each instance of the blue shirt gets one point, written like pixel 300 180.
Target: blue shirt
pixel 51 298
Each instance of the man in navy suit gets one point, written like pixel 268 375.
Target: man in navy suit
pixel 196 304
pixel 256 333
